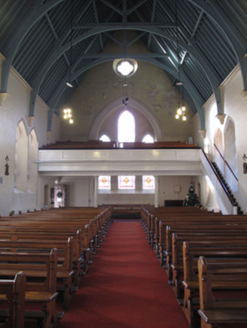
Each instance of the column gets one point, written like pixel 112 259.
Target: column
pixel 96 191
pixel 156 192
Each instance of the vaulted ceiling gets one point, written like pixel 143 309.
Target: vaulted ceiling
pixel 201 40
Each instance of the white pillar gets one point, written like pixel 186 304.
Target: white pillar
pixel 96 191
pixel 156 192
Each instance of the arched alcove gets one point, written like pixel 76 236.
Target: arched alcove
pixel 135 106
pixel 219 149
pixel 33 148
pixel 230 153
pixel 21 157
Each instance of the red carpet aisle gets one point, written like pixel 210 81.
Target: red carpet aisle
pixel 125 287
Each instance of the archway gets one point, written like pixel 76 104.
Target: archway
pixel 135 105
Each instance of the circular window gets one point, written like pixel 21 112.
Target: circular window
pixel 125 67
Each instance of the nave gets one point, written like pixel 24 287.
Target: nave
pixel 125 287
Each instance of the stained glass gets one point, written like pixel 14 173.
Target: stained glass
pixel 126 182
pixel 148 182
pixel 104 182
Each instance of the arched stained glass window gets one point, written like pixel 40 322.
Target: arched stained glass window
pixel 126 127
pixel 104 138
pixel 148 139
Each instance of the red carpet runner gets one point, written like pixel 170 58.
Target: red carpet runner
pixel 125 287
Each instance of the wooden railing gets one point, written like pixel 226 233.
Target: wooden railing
pixel 222 195
pixel 226 170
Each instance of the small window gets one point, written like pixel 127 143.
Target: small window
pixel 148 182
pixel 148 139
pixel 104 182
pixel 126 182
pixel 104 138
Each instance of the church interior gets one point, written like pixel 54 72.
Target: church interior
pixel 114 109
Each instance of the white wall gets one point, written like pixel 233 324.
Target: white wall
pixel 14 109
pixel 235 106
pixel 102 86
pixel 80 191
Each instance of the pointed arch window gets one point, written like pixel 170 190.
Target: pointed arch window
pixel 148 139
pixel 104 138
pixel 126 127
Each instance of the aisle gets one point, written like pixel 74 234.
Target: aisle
pixel 125 287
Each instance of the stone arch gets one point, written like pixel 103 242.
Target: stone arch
pixel 21 157
pixel 33 149
pixel 230 152
pixel 135 105
pixel 219 150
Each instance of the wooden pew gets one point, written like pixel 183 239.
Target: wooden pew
pixel 65 272
pixel 222 308
pixel 97 225
pixel 57 232
pixel 54 224
pixel 41 274
pixel 207 236
pixel 216 250
pixel 14 293
pixel 184 220
pixel 194 226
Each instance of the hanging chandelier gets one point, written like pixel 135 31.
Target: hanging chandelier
pixel 181 113
pixel 67 115
pixel 181 110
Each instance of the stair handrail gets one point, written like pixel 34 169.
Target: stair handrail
pixel 224 199
pixel 226 162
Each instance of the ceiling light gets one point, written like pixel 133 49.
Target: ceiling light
pixel 69 84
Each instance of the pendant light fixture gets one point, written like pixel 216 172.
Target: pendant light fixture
pixel 181 110
pixel 67 112
pixel 69 82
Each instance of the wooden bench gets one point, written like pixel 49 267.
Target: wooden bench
pixel 40 291
pixel 65 272
pixel 95 226
pixel 55 232
pixel 14 293
pixel 217 251
pixel 222 308
pixel 184 221
pixel 193 227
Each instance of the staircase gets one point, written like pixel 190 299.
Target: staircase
pixel 226 187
